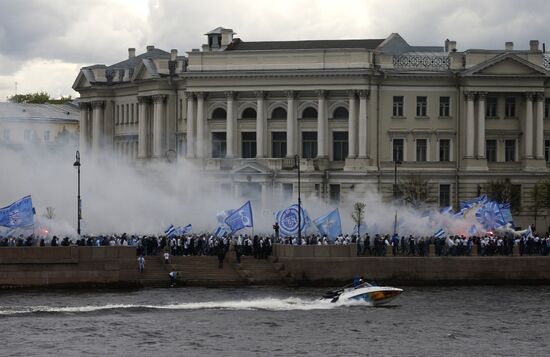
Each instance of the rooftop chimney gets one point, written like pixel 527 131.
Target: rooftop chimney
pixel 509 46
pixel 150 48
pixel 534 45
pixel 131 52
pixel 451 46
pixel 173 54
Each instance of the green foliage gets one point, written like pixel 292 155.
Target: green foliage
pixel 38 98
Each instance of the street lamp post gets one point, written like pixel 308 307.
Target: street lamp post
pixel 79 206
pixel 297 165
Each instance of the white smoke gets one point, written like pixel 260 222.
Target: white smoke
pixel 120 197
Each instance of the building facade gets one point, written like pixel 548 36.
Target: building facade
pixel 362 115
pixel 43 125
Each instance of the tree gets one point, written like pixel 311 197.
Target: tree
pixel 38 98
pixel 503 191
pixel 415 190
pixel 540 196
pixel 357 215
pixel 50 213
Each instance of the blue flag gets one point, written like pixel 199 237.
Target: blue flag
pixel 240 218
pixel 473 230
pixel 288 220
pixel 330 224
pixel 440 233
pixel 183 230
pixel 18 214
pixel 219 232
pixel 489 216
pixel 170 230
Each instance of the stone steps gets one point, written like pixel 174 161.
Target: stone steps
pixel 155 273
pixel 259 271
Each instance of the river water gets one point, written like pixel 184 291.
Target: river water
pixel 269 321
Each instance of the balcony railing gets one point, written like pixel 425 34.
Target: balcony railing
pixel 421 62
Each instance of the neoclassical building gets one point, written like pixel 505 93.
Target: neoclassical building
pixel 360 114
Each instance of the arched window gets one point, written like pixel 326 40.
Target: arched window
pixel 309 113
pixel 340 113
pixel 278 113
pixel 219 113
pixel 249 113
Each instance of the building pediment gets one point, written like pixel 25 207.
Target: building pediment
pixel 251 169
pixel 146 69
pixel 506 64
pixel 83 80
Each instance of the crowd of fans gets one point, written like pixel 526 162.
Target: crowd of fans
pixel 260 246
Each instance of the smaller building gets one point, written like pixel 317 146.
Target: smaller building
pixel 25 124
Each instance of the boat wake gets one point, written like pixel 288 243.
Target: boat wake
pixel 267 304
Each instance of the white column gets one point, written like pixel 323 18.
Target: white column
pixel 539 144
pixel 142 127
pixel 200 125
pixel 528 133
pixel 97 127
pixel 481 125
pixel 158 125
pixel 470 129
pixel 290 125
pixel 322 124
pixel 230 128
pixel 190 124
pixel 363 124
pixel 260 127
pixel 352 126
pixel 83 144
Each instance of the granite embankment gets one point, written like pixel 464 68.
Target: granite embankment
pixel 23 267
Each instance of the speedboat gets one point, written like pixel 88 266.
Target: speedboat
pixel 376 295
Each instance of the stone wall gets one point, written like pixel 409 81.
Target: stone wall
pixel 327 265
pixel 68 266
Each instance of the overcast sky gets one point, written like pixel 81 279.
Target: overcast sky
pixel 44 43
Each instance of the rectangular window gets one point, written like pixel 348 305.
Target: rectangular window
pixel 547 150
pixel 132 113
pixel 422 106
pixel 127 114
pixel 421 149
pixel 6 135
pixel 122 114
pixel 278 144
pixel 444 150
pixel 510 107
pixel 309 144
pixel 444 195
pixel 287 191
pixel 219 145
pixel 398 150
pixel 444 107
pixel 117 114
pixel 491 150
pixel 248 145
pixel 27 135
pixel 334 194
pixel 491 107
pixel 398 106
pixel 509 150
pixel 317 190
pixel 46 136
pixel 182 145
pixel 340 145
pixel 547 108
